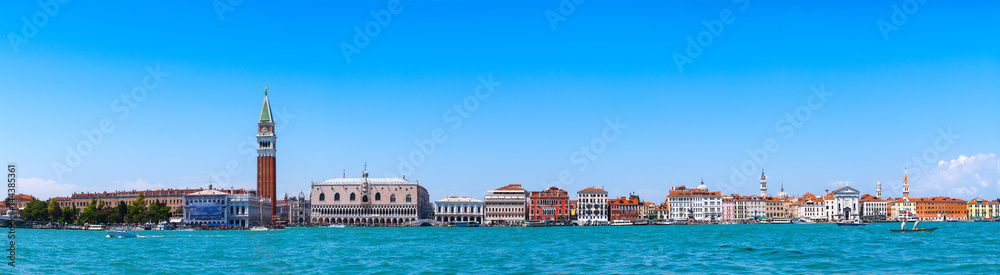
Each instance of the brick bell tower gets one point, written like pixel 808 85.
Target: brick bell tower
pixel 266 178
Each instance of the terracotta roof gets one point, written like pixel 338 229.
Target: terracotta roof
pixel 511 187
pixel 592 190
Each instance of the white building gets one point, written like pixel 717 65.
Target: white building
pixel 217 208
pixel 698 204
pixel 843 204
pixel 874 208
pixel 506 205
pixel 382 201
pixel 812 210
pixel 592 206
pixel 453 209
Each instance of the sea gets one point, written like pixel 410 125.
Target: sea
pixel 962 248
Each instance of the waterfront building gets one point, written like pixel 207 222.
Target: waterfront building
pixel 661 212
pixel 812 209
pixel 372 201
pixel 592 206
pixel 941 208
pixel 901 207
pixel 266 166
pixel 843 204
pixel 174 198
pixel 750 207
pixel 774 208
pixel 217 208
pixel 294 210
pixel 874 208
pixel 624 209
pixel 572 210
pixel 728 208
pixel 983 209
pixel 19 201
pixel 646 211
pixel 64 202
pixel 698 204
pixel 505 205
pixel 455 209
pixel 549 205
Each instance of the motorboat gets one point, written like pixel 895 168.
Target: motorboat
pixel 121 233
pixel 621 223
pixel 259 228
pixel 465 224
pixel 852 223
pixel 96 227
pixel 337 226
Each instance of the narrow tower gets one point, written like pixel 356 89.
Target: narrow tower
pixel 763 184
pixel 878 188
pixel 906 185
pixel 266 179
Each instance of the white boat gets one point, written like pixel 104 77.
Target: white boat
pixel 337 226
pixel 259 228
pixel 186 229
pixel 95 227
pixel 620 223
pixel 121 233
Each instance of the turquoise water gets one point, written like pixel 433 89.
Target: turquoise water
pixel 810 248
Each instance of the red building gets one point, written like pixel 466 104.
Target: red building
pixel 549 205
pixel 624 209
pixel 266 177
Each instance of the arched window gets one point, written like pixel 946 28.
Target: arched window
pixel 409 198
pixel 336 196
pixel 322 197
pixel 353 197
pixel 378 196
pixel 392 198
pixel 364 198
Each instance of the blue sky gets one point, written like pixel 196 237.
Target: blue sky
pixel 558 72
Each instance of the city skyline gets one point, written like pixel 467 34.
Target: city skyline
pixel 841 101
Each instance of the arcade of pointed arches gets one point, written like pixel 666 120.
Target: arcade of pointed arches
pixel 381 215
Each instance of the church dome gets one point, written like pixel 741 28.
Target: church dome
pixel 782 195
pixel 702 186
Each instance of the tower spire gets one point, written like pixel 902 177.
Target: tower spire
pixel 906 185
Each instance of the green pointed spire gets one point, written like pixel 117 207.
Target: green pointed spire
pixel 265 112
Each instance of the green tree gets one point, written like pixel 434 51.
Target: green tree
pixel 55 211
pixel 36 210
pixel 89 214
pixel 121 210
pixel 69 214
pixel 137 210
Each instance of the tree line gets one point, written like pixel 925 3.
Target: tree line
pixel 137 212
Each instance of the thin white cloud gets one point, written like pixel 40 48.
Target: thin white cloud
pixel 965 177
pixel 839 184
pixel 45 189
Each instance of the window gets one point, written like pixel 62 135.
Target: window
pixel 364 198
pixel 322 197
pixel 392 198
pixel 336 196
pixel 353 198
pixel 409 198
pixel 378 196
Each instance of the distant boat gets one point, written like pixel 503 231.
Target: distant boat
pixel 337 226
pixel 465 224
pixel 95 227
pixel 621 222
pixel 259 228
pixel 121 233
pixel 852 224
pixel 186 229
pixel 536 224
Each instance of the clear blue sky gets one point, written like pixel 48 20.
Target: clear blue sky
pixel 558 83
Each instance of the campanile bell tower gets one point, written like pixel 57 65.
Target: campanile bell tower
pixel 266 179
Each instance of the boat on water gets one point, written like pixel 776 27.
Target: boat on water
pixel 121 233
pixel 852 223
pixel 337 226
pixel 465 224
pixel 620 223
pixel 536 224
pixel 163 226
pixel 259 228
pixel 902 228
pixel 185 229
pixel 96 227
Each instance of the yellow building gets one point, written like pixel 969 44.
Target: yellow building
pixel 980 209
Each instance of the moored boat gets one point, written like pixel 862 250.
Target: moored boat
pixel 337 226
pixel 259 228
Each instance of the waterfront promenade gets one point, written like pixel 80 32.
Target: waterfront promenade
pixel 787 249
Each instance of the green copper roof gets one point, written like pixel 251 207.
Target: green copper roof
pixel 265 113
